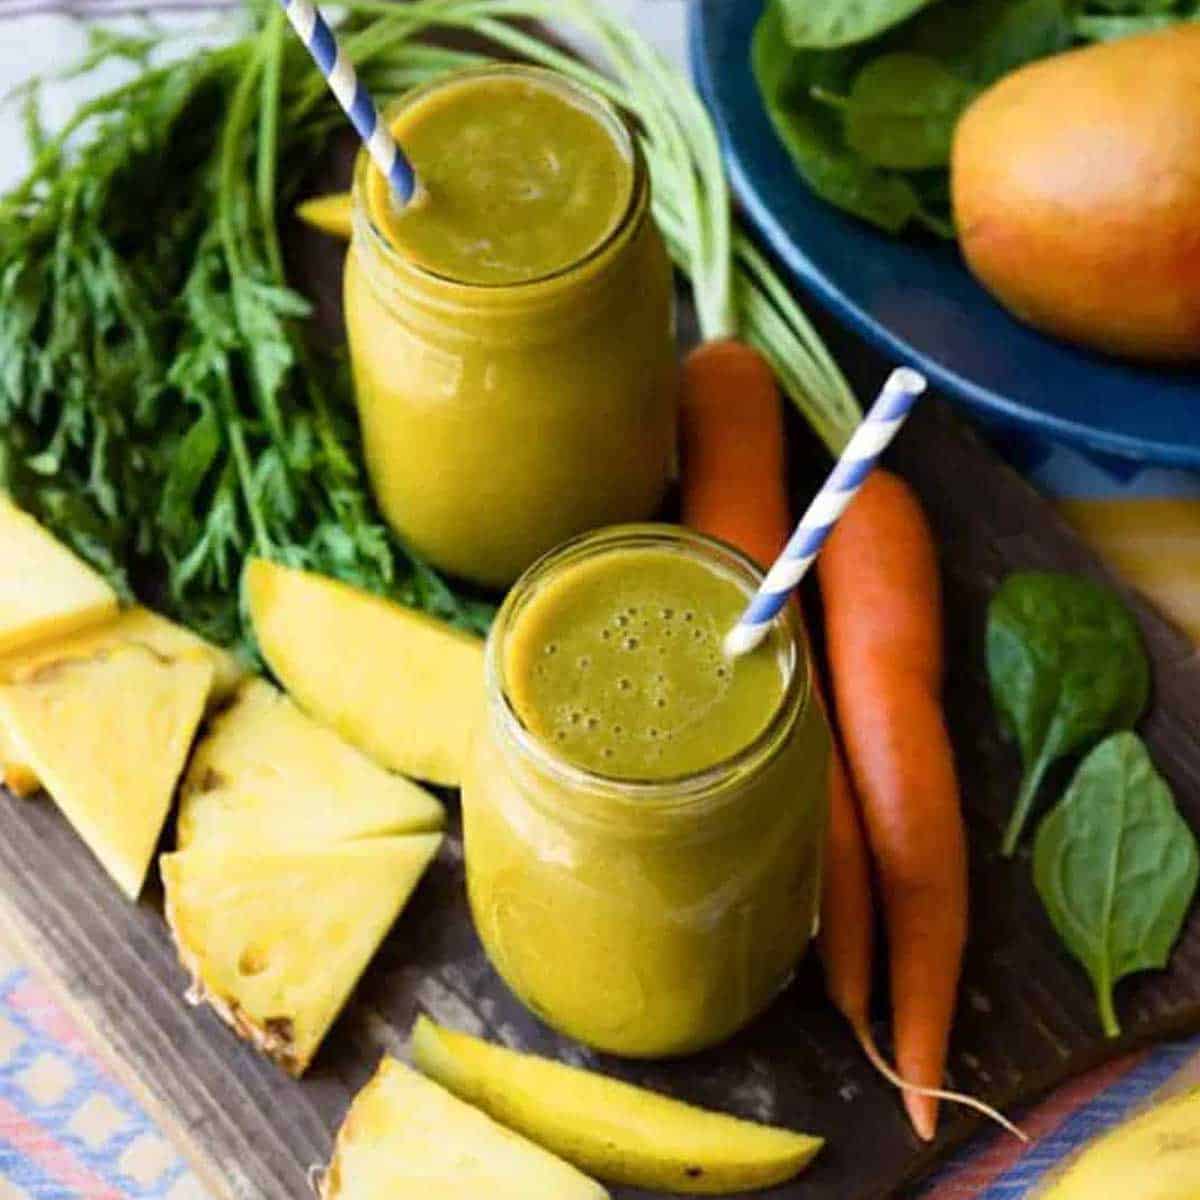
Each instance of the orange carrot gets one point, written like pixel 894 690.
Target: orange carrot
pixel 879 583
pixel 732 446
pixel 735 488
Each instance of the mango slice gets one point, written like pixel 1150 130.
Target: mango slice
pixel 400 685
pixel 109 736
pixel 405 1138
pixel 140 625
pixel 1155 1156
pixel 277 940
pixel 330 214
pixel 267 776
pixel 45 591
pixel 615 1131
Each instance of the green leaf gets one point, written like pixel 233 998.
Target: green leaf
pixel 1067 666
pixel 828 24
pixel 813 133
pixel 983 40
pixel 1116 867
pixel 902 110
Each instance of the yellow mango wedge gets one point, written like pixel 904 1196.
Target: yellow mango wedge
pixel 109 736
pixel 1156 1156
pixel 401 686
pixel 139 625
pixel 613 1130
pixel 277 940
pixel 45 591
pixel 266 776
pixel 330 214
pixel 405 1138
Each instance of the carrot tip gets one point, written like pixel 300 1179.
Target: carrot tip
pixel 922 1112
pixel 921 1102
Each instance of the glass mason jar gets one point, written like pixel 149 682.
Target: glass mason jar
pixel 501 419
pixel 646 918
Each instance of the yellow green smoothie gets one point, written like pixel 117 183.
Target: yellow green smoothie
pixel 511 331
pixel 518 180
pixel 619 665
pixel 644 821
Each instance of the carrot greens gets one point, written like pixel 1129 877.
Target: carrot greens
pixel 161 406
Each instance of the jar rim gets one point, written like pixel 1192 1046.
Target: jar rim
pixel 678 791
pixel 366 229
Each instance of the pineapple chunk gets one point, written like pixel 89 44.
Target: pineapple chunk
pixel 140 625
pixel 45 590
pixel 330 214
pixel 16 775
pixel 269 776
pixel 109 736
pixel 405 1138
pixel 399 685
pixel 276 940
pixel 618 1132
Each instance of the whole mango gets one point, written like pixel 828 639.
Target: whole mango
pixel 1076 189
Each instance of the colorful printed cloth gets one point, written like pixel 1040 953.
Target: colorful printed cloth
pixel 70 1131
pixel 67 1127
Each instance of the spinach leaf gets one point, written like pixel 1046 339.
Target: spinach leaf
pixel 1116 867
pixel 1067 666
pixel 826 24
pixel 812 132
pixel 983 40
pixel 902 109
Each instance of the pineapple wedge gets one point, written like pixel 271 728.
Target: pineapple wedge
pixel 45 590
pixel 615 1131
pixel 405 1138
pixel 140 625
pixel 267 775
pixel 109 736
pixel 276 940
pixel 17 776
pixel 401 686
pixel 330 214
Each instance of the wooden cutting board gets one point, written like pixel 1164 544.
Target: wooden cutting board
pixel 1026 1022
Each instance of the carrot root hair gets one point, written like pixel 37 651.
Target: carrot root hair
pixel 881 1064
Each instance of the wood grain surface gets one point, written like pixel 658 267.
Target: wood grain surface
pixel 1026 1023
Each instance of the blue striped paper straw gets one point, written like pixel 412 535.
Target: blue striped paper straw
pixel 339 73
pixel 870 440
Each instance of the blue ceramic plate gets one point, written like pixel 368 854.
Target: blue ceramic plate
pixel 916 301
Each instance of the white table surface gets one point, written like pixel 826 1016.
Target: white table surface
pixel 41 45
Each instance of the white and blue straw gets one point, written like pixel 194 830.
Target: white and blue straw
pixel 870 440
pixel 339 73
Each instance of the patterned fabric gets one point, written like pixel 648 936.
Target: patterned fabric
pixel 70 1131
pixel 67 1127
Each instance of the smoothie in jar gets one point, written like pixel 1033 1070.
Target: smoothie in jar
pixel 644 820
pixel 511 330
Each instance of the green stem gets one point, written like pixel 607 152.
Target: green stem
pixel 267 154
pixel 1107 1008
pixel 1031 781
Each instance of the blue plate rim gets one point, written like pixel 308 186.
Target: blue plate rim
pixel 1013 413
